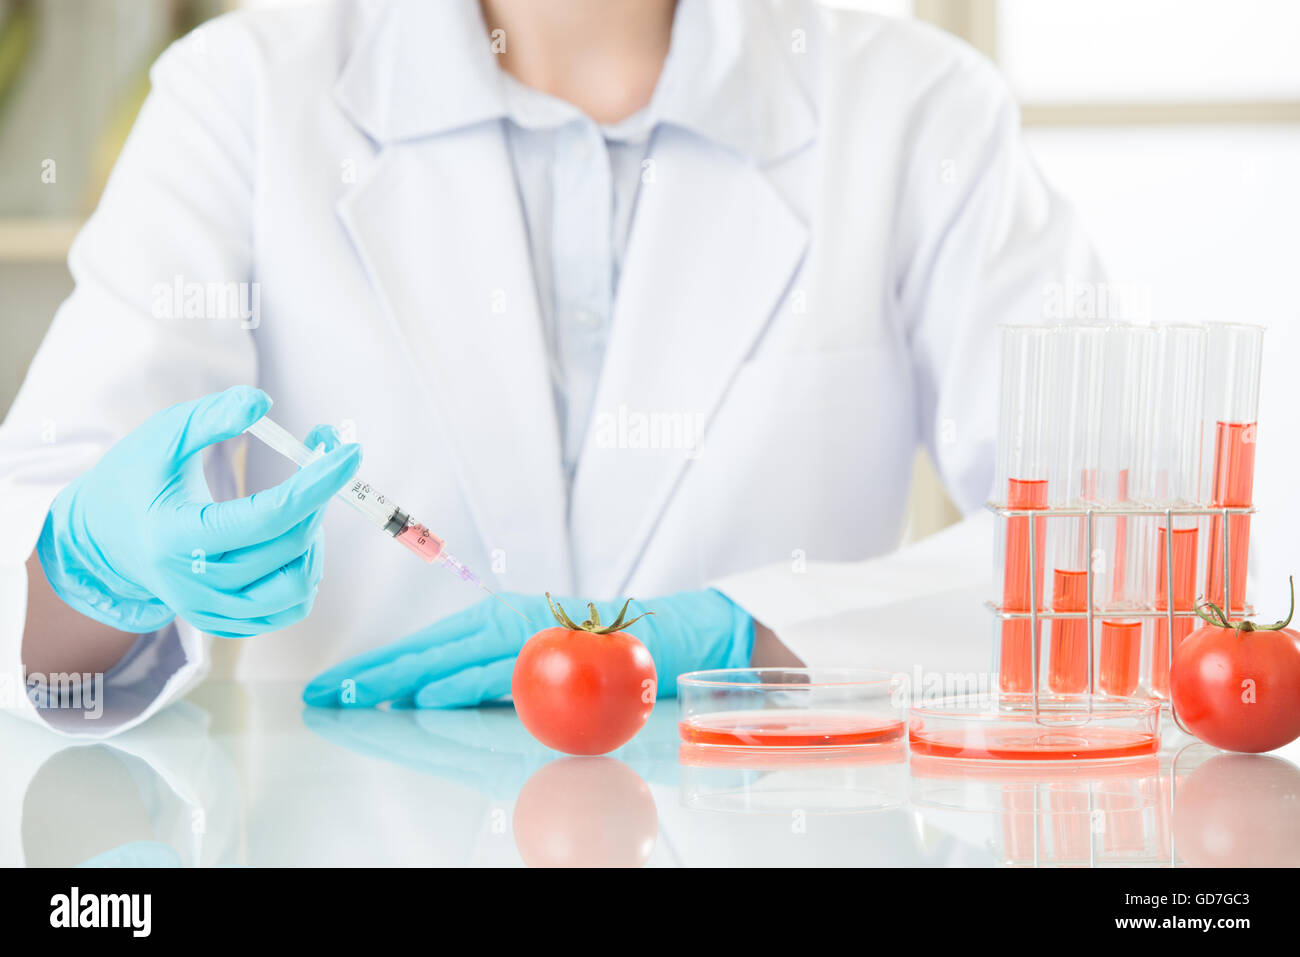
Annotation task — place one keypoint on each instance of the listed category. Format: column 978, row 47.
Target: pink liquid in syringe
column 431, row 548
column 420, row 540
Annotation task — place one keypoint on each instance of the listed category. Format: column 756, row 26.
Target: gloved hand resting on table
column 467, row 658
column 137, row 539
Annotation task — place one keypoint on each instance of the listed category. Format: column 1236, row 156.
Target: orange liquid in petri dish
column 1021, row 741
column 1016, row 662
column 795, row 728
column 1184, row 582
column 1234, row 480
column 1121, row 657
column 1068, row 664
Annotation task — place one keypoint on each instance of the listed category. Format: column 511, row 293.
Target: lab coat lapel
column 712, row 250
column 438, row 228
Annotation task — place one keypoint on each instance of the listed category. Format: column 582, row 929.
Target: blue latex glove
column 136, row 854
column 137, row 539
column 467, row 658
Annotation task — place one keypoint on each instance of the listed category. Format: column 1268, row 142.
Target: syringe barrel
column 372, row 503
column 382, row 511
column 283, row 441
column 358, row 493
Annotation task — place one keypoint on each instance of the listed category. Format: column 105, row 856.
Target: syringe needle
column 506, row 603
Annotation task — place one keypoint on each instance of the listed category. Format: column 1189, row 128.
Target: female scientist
column 621, row 298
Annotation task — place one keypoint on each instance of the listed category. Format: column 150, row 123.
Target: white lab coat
column 818, row 292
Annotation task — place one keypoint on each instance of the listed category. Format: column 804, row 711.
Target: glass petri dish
column 1007, row 728
column 789, row 708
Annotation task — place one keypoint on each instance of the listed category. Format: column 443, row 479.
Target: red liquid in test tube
column 1184, row 583
column 1068, row 671
column 1016, row 663
column 1075, row 477
column 1121, row 657
column 1125, row 479
column 1177, row 437
column 1120, row 660
column 1229, row 433
column 1234, row 480
column 1026, row 437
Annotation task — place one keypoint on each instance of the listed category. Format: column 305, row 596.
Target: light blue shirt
column 578, row 183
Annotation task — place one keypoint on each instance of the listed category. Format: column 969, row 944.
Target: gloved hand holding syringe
column 379, row 509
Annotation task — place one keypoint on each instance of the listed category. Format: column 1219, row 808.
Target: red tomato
column 1238, row 687
column 584, row 689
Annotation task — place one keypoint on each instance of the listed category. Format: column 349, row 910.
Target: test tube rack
column 1095, row 609
column 1113, row 435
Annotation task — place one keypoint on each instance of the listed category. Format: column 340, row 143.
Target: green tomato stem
column 592, row 625
column 1209, row 612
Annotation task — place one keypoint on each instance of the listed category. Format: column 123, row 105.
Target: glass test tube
column 1073, row 484
column 1121, row 582
column 1231, row 409
column 1024, row 455
column 1175, row 428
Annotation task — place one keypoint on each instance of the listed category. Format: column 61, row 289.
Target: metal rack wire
column 1090, row 514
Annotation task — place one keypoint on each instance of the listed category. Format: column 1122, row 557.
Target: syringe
column 381, row 511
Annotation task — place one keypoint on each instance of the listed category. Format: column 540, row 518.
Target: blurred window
column 1150, row 50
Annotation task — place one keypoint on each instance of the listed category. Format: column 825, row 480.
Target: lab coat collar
column 727, row 79
column 424, row 68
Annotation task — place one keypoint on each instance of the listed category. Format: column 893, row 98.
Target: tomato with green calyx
column 584, row 689
column 1236, row 684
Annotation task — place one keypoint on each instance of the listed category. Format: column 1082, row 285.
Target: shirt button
column 585, row 317
column 582, row 149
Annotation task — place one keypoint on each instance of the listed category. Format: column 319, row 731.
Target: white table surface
column 244, row 774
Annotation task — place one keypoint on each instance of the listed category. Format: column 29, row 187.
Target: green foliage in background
column 17, row 40
column 183, row 16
